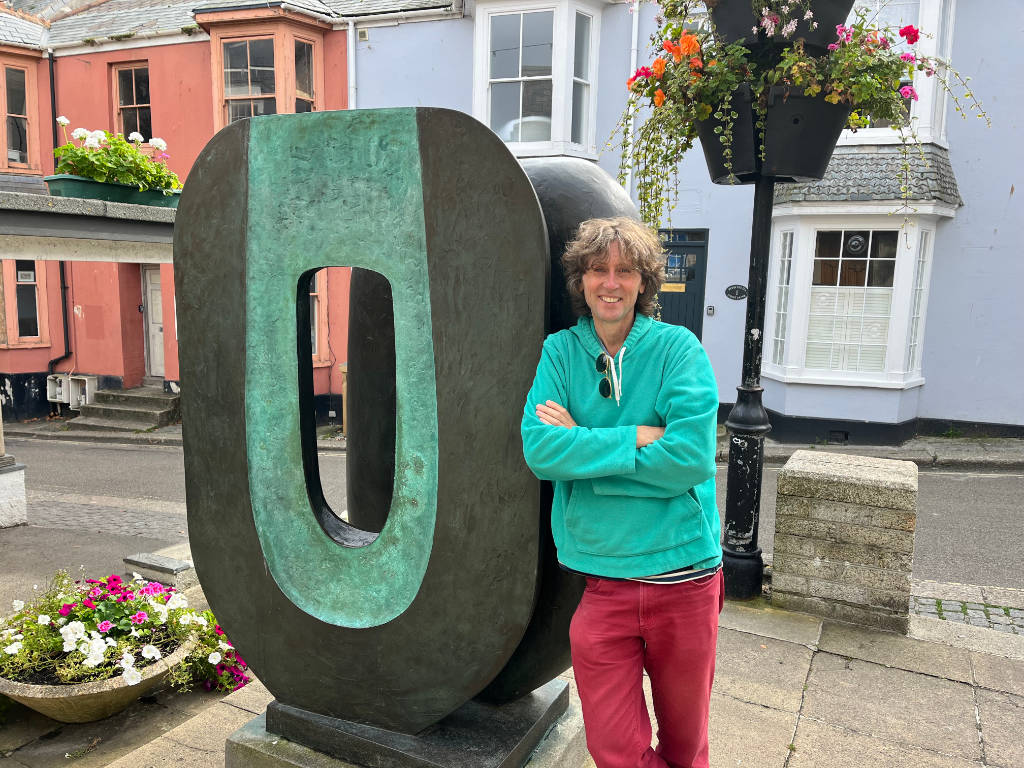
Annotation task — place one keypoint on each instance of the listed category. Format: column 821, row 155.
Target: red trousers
column 622, row 628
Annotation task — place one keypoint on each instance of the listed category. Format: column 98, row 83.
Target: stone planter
column 86, row 702
column 68, row 185
column 799, row 136
column 734, row 20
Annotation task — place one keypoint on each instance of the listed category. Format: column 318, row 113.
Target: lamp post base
column 743, row 573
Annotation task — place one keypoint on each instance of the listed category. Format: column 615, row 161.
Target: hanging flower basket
column 799, row 136
column 734, row 21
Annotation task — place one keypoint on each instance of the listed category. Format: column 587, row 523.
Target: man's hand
column 555, row 415
column 647, row 435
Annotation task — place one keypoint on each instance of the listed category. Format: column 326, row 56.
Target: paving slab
column 820, row 745
column 945, row 590
column 998, row 673
column 894, row 650
column 893, row 704
column 1002, row 717
column 253, row 698
column 766, row 734
column 760, row 618
column 20, row 725
column 1005, row 596
column 761, row 670
column 961, row 635
column 197, row 743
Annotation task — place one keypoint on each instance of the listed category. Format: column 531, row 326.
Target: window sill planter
column 800, row 134
column 734, row 21
column 87, row 702
column 67, row 185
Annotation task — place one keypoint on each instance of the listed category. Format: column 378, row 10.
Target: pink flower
column 833, row 46
column 104, row 626
column 217, row 630
column 89, row 603
column 908, row 57
column 139, row 617
column 129, row 596
column 840, row 30
column 911, row 33
column 95, row 592
column 908, row 92
column 66, row 608
column 929, row 71
column 113, row 579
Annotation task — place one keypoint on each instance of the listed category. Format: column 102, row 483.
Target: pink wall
column 35, row 359
column 179, row 84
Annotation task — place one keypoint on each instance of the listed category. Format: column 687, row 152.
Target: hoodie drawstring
column 616, row 376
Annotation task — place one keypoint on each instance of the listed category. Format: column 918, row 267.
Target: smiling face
column 611, row 286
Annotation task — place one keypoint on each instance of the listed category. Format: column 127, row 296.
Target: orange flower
column 659, row 68
column 696, row 63
column 629, row 83
column 712, row 62
column 659, row 97
column 688, row 44
column 674, row 49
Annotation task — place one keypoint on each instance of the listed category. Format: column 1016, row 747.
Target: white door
column 154, row 315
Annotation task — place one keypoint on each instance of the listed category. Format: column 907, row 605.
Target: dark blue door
column 682, row 293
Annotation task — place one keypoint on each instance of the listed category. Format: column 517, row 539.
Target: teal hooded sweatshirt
column 620, row 511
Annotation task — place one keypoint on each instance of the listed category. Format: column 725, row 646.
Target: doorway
column 682, row 294
column 152, row 304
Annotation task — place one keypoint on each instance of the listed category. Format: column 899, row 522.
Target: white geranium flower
column 79, row 133
column 43, row 619
column 91, row 142
column 158, row 144
column 12, row 649
column 18, row 604
column 150, row 652
column 132, row 676
column 214, row 658
column 98, row 135
column 136, row 138
column 63, row 121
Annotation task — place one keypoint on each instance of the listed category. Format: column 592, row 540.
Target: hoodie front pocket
column 630, row 525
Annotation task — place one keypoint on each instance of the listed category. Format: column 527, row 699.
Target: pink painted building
column 170, row 70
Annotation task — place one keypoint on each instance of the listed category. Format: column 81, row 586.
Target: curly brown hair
column 639, row 246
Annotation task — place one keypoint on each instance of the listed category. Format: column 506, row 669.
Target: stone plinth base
column 13, row 510
column 844, row 538
column 541, row 728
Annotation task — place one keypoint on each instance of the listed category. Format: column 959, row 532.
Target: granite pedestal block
column 541, row 728
column 13, row 509
column 844, row 538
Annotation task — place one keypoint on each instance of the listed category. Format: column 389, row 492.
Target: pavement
column 791, row 690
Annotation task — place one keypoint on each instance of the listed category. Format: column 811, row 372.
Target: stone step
column 171, row 566
column 150, row 415
column 145, row 396
column 97, row 424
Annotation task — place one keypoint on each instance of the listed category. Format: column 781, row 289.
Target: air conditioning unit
column 83, row 391
column 58, row 388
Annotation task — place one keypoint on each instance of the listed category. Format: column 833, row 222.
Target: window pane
column 537, row 37
column 536, row 111
column 826, row 272
column 827, row 246
column 883, row 245
column 238, row 110
column 881, row 272
column 236, row 82
column 16, row 91
column 302, row 105
column 579, row 112
column 855, row 245
column 261, row 81
column 505, row 110
column 17, row 140
column 581, row 57
column 145, row 123
column 264, row 107
column 854, row 272
column 303, row 69
column 261, row 53
column 125, row 87
column 141, row 85
column 129, row 121
column 28, row 325
column 26, row 270
column 312, row 320
column 235, row 55
column 505, row 46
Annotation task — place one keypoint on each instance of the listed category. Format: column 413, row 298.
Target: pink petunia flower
column 908, row 92
column 139, row 617
column 89, row 604
column 217, row 630
column 113, row 579
column 104, row 626
column 66, row 608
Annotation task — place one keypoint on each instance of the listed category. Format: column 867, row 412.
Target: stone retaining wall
column 844, row 538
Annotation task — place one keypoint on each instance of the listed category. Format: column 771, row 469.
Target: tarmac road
column 969, row 528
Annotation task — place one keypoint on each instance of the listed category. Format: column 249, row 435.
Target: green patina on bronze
column 318, row 197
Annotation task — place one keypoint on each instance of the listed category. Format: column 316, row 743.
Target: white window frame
column 805, row 224
column 563, row 39
column 928, row 114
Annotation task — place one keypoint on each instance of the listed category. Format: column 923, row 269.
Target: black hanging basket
column 799, row 135
column 734, row 21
